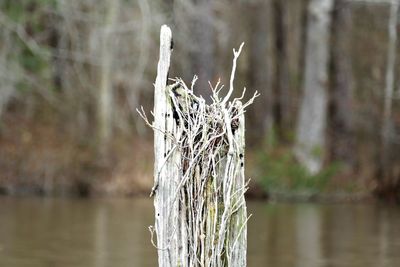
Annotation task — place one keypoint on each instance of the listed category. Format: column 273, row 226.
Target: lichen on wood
column 199, row 188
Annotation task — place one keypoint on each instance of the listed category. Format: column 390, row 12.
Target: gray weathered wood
column 200, row 209
column 162, row 202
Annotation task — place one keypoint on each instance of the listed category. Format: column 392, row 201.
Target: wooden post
column 199, row 184
column 163, row 185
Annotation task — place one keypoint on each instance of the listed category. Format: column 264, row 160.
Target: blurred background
column 326, row 127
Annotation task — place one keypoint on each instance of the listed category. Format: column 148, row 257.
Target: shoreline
column 276, row 197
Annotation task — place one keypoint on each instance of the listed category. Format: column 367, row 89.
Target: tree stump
column 199, row 183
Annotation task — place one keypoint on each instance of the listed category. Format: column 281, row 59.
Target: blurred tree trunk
column 303, row 44
column 57, row 42
column 297, row 24
column 342, row 143
column 310, row 136
column 105, row 97
column 387, row 127
column 203, row 42
column 7, row 80
column 261, row 68
column 282, row 66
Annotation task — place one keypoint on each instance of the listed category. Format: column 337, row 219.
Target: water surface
column 45, row 232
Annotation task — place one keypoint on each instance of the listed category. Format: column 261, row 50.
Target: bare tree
column 310, row 138
column 341, row 128
column 105, row 97
column 20, row 53
column 297, row 22
column 282, row 66
column 387, row 134
column 105, row 83
column 9, row 70
column 261, row 61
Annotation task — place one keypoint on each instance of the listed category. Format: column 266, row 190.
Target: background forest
column 73, row 72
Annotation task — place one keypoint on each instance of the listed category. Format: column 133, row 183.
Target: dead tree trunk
column 200, row 210
column 310, row 136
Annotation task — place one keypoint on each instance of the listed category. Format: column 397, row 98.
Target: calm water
column 103, row 232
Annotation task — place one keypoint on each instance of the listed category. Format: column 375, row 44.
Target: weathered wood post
column 199, row 184
column 164, row 221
